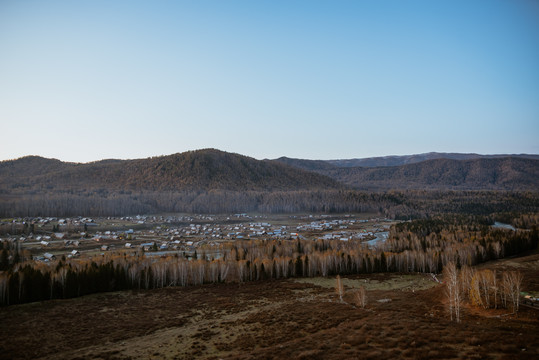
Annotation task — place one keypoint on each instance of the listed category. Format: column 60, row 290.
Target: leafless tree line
column 393, row 204
column 483, row 288
column 250, row 260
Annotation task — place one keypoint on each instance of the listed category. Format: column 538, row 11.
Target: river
column 380, row 238
column 499, row 225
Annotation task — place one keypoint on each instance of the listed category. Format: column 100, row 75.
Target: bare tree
column 361, row 297
column 223, row 268
column 494, row 288
column 339, row 287
column 4, row 284
column 466, row 275
column 452, row 290
column 242, row 264
column 474, row 290
column 512, row 281
column 486, row 283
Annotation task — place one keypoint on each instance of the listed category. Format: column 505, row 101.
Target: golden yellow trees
column 474, row 292
column 482, row 290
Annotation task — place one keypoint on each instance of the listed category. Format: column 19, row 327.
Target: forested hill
column 210, row 169
column 385, row 161
column 30, row 166
column 212, row 181
column 509, row 173
column 207, row 169
column 398, row 160
column 310, row 165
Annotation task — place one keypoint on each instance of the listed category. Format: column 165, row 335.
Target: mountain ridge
column 505, row 173
column 212, row 169
column 392, row 160
column 204, row 169
column 212, row 181
column 396, row 160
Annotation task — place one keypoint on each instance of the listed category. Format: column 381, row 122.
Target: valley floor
column 285, row 319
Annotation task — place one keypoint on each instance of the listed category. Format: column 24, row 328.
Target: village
column 47, row 238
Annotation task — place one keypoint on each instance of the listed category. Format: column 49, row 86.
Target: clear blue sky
column 88, row 80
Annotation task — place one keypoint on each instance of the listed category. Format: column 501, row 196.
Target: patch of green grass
column 408, row 282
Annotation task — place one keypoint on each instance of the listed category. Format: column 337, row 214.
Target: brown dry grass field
column 288, row 319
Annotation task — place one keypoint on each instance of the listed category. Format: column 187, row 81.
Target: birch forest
column 425, row 246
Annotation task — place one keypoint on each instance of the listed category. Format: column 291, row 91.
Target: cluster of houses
column 182, row 233
column 161, row 238
column 40, row 221
column 156, row 219
column 324, row 225
column 43, row 240
column 341, row 227
column 254, row 230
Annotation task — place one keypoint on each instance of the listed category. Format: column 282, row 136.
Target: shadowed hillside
column 396, row 160
column 195, row 170
column 311, row 165
column 508, row 173
column 30, row 166
column 212, row 181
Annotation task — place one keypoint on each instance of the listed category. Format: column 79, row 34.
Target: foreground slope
column 405, row 318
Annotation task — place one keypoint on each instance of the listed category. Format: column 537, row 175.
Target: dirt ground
column 405, row 318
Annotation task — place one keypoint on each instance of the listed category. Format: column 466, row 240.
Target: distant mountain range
column 445, row 174
column 434, row 171
column 210, row 169
column 392, row 160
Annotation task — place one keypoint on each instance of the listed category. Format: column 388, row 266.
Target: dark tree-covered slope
column 398, row 160
column 212, row 181
column 310, row 165
column 510, row 173
column 194, row 170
